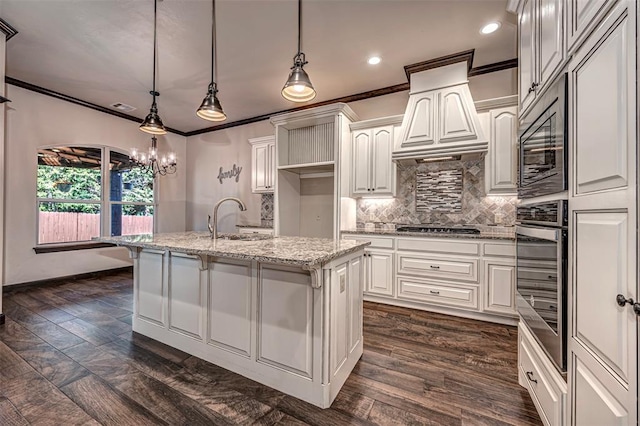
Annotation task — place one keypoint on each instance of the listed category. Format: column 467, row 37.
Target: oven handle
column 544, row 234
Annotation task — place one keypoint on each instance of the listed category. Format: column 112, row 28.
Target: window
column 85, row 192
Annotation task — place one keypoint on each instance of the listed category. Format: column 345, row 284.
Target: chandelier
column 150, row 163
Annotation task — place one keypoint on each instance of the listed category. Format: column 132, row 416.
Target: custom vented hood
column 440, row 119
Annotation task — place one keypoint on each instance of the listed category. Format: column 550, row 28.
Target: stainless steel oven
column 543, row 140
column 541, row 247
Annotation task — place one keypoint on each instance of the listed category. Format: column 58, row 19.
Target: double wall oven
column 541, row 232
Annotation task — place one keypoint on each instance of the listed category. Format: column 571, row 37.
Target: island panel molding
column 285, row 312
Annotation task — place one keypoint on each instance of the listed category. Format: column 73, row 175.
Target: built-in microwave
column 543, row 142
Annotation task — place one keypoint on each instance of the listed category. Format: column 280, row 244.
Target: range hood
column 440, row 119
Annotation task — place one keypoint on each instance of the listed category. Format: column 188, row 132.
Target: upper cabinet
column 263, row 164
column 373, row 174
column 501, row 162
column 541, row 47
column 582, row 17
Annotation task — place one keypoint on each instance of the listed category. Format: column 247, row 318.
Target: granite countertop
column 255, row 226
column 486, row 233
column 296, row 251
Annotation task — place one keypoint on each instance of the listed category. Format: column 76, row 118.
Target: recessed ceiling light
column 374, row 60
column 490, row 27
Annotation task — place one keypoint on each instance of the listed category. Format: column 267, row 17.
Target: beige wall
column 33, row 121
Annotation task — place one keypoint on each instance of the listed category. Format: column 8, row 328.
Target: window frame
column 104, row 202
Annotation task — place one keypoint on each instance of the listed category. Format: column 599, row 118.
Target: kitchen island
column 284, row 311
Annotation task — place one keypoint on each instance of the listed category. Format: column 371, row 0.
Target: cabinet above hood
column 440, row 119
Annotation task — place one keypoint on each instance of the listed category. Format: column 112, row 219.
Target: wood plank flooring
column 68, row 356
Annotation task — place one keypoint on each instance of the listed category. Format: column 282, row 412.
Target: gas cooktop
column 437, row 229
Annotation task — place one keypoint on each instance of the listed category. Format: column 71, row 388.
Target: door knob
column 621, row 301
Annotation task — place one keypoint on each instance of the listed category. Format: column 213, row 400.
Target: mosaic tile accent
column 439, row 191
column 266, row 211
column 477, row 208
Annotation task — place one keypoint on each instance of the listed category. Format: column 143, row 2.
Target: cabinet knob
column 530, row 377
column 622, row 301
column 533, row 87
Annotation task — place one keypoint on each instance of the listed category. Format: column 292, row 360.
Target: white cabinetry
column 546, row 386
column 263, row 164
column 256, row 230
column 470, row 278
column 541, row 46
column 603, row 337
column 582, row 17
column 372, row 172
column 501, row 163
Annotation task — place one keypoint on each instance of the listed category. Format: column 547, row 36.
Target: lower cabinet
column 466, row 277
column 546, row 386
column 379, row 272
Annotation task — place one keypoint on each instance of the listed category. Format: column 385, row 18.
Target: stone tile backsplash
column 474, row 206
column 266, row 210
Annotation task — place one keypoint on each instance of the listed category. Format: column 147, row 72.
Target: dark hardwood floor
column 68, row 356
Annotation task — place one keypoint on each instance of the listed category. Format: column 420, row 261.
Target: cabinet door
column 361, row 173
column 260, row 169
column 271, row 167
column 500, row 281
column 550, row 30
column 419, row 123
column 582, row 15
column 380, row 272
column 501, row 160
column 526, row 54
column 603, row 339
column 383, row 169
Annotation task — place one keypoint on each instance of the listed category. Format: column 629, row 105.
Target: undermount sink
column 244, row 237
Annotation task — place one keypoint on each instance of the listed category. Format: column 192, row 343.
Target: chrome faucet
column 213, row 228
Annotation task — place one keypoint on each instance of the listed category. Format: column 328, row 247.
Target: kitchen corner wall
column 206, row 154
column 476, row 208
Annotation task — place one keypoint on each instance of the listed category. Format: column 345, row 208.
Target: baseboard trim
column 2, row 319
column 59, row 280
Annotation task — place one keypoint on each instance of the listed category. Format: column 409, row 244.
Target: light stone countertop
column 254, row 226
column 295, row 251
column 486, row 233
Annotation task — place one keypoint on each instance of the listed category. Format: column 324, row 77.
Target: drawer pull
column 434, row 267
column 434, row 292
column 530, row 377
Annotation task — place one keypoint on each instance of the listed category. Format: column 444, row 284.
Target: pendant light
column 210, row 109
column 153, row 123
column 298, row 87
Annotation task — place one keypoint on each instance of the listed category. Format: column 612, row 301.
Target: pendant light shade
column 298, row 87
column 211, row 109
column 153, row 123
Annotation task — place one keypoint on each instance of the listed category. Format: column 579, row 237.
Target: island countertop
column 295, row 251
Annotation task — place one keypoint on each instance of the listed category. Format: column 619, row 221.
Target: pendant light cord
column 155, row 24
column 299, row 26
column 213, row 44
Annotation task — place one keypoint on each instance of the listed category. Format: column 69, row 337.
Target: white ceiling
column 100, row 51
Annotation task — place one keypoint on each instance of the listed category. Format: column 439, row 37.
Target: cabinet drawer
column 548, row 398
column 438, row 293
column 376, row 242
column 441, row 245
column 437, row 267
column 494, row 249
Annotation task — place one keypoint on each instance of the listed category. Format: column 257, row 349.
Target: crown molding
column 465, row 56
column 7, row 29
column 61, row 96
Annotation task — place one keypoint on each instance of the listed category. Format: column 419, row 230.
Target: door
column 501, row 160
column 500, row 296
column 550, row 26
column 582, row 15
column 526, row 54
column 603, row 219
column 261, row 168
column 361, row 161
column 383, row 170
column 380, row 272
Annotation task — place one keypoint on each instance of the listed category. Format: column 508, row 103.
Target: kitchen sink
column 245, row 237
